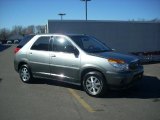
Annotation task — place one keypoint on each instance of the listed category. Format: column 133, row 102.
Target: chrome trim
column 73, row 83
column 44, row 73
column 56, row 75
column 74, row 67
column 31, row 62
column 61, row 75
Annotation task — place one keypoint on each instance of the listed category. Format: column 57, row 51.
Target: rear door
column 38, row 56
column 64, row 63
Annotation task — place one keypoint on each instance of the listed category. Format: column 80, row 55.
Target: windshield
column 90, row 44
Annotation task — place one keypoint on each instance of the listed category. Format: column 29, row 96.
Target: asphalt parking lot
column 47, row 99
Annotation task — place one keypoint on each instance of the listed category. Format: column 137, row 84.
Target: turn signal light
column 116, row 61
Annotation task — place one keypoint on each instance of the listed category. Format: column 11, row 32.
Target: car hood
column 114, row 55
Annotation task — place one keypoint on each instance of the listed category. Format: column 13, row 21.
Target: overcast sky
column 37, row 12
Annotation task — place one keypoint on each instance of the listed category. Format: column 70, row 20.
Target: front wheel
column 25, row 73
column 94, row 84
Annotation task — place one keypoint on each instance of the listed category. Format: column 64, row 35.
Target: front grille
column 134, row 65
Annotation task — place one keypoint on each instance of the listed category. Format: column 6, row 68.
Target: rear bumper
column 123, row 80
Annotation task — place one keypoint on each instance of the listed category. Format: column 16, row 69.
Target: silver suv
column 77, row 59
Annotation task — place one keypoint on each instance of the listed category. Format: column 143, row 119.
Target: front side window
column 41, row 43
column 61, row 44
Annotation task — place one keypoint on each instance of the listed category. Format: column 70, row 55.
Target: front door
column 64, row 63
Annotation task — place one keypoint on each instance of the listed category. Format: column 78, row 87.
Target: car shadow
column 56, row 83
column 4, row 47
column 148, row 87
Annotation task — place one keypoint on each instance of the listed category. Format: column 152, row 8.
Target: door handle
column 53, row 56
column 30, row 53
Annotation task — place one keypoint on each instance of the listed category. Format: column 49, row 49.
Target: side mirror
column 71, row 49
column 76, row 52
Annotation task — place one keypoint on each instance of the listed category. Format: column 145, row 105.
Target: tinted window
column 25, row 40
column 61, row 44
column 90, row 44
column 41, row 43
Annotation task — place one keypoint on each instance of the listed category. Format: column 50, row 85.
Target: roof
column 67, row 34
column 105, row 21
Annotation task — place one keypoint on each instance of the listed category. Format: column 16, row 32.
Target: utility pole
column 61, row 14
column 86, row 7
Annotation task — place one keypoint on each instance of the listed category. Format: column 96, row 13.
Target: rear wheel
column 25, row 73
column 94, row 84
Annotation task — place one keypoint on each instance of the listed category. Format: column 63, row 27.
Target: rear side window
column 41, row 43
column 25, row 40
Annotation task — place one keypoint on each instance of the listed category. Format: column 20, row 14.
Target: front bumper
column 123, row 79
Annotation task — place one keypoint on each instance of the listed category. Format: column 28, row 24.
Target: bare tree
column 30, row 29
column 24, row 31
column 43, row 29
column 4, row 34
column 17, row 30
column 40, row 29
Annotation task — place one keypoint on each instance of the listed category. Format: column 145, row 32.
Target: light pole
column 86, row 6
column 61, row 14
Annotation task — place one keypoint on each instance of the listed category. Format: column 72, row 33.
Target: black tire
column 94, row 84
column 25, row 74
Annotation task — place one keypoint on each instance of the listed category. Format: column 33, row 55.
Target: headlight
column 119, row 64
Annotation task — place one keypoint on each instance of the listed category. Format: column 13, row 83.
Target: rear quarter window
column 25, row 40
column 41, row 43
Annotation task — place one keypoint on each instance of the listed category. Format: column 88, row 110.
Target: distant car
column 77, row 59
column 16, row 41
column 9, row 42
column 3, row 41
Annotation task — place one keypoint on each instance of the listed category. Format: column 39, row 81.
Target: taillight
column 16, row 50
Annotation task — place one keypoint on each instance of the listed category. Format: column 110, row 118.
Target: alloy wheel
column 25, row 75
column 93, row 85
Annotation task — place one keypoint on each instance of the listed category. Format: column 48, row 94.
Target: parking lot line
column 81, row 101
